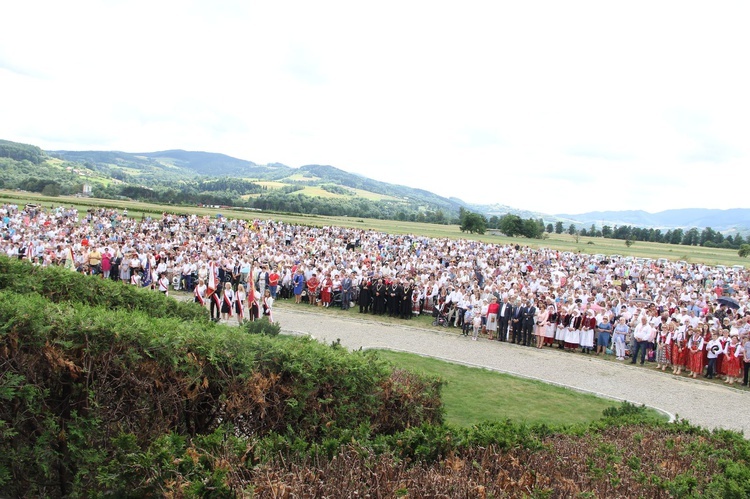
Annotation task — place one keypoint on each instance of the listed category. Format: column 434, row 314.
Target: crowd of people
column 690, row 318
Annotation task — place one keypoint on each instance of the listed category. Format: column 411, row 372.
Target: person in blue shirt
column 604, row 334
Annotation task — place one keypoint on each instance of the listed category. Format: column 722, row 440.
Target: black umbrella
column 729, row 302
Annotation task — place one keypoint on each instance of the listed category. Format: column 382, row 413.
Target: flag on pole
column 212, row 278
column 146, row 281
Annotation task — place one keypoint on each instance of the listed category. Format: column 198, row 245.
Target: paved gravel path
column 703, row 403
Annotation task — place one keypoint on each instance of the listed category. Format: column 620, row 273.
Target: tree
column 629, row 242
column 550, row 228
column 559, row 228
column 676, row 237
column 474, row 222
column 532, row 229
column 744, row 251
column 572, row 229
column 691, row 237
column 51, row 189
column 494, row 222
column 708, row 234
column 606, row 231
column 511, row 225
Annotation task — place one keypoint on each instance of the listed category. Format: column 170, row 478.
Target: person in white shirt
column 163, row 283
column 713, row 349
column 643, row 334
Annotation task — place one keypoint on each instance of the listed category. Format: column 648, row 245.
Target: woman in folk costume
column 326, row 290
column 721, row 368
column 540, row 324
column 663, row 345
column 706, row 332
column 573, row 332
column 680, row 351
column 239, row 303
column 268, row 305
column 551, row 326
column 733, row 360
column 588, row 326
column 227, row 301
column 563, row 321
column 417, row 298
column 695, row 353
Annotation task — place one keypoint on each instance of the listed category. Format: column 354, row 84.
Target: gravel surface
column 703, row 403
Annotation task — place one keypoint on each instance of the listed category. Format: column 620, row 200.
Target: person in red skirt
column 733, row 355
column 326, row 290
column 679, row 352
column 695, row 353
column 663, row 346
column 721, row 367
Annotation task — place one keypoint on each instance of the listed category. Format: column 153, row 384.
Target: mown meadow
column 107, row 390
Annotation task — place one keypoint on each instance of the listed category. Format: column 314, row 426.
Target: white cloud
column 548, row 106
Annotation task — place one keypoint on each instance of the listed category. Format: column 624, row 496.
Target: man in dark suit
column 393, row 294
column 515, row 322
column 527, row 322
column 405, row 299
column 503, row 319
column 346, row 291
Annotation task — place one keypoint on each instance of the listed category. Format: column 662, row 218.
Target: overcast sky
column 556, row 107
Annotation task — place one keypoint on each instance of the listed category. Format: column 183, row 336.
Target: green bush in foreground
column 262, row 326
column 58, row 284
column 73, row 377
column 623, row 455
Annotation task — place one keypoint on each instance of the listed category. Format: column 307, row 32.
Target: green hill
column 281, row 187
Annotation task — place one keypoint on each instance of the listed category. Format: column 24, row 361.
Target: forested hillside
column 177, row 176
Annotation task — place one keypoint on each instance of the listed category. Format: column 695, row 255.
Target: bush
column 72, row 376
column 262, row 326
column 58, row 284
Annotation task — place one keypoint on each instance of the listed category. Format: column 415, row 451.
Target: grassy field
column 561, row 242
column 473, row 395
column 318, row 191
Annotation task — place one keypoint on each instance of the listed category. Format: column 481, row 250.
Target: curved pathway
column 706, row 404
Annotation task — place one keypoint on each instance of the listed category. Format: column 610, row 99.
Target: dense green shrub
column 262, row 326
column 61, row 285
column 73, row 376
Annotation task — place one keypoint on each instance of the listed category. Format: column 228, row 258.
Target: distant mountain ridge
column 721, row 220
column 177, row 166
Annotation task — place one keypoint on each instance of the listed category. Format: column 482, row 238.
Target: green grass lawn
column 472, row 395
